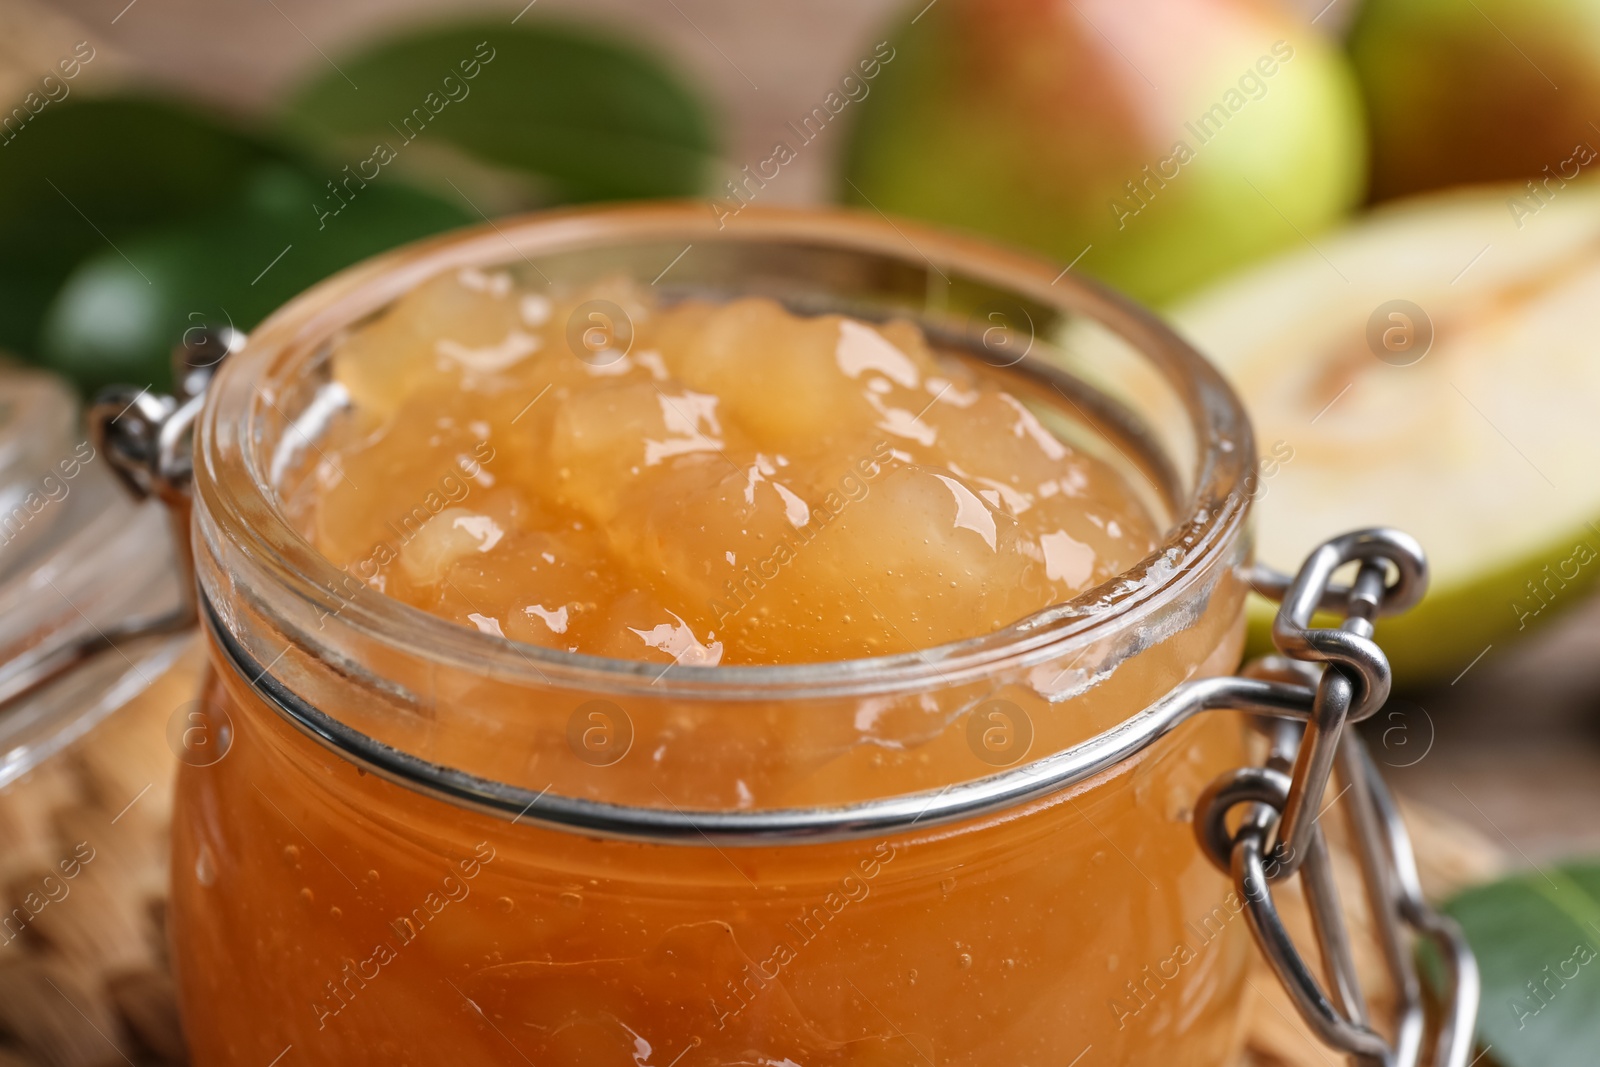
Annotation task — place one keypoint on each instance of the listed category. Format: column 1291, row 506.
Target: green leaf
column 1537, row 939
column 85, row 173
column 120, row 313
column 573, row 112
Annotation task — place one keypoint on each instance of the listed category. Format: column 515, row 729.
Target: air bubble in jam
column 205, row 869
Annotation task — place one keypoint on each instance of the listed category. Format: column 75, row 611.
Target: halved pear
column 1473, row 425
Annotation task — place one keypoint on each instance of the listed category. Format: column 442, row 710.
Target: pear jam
column 739, row 485
column 593, row 471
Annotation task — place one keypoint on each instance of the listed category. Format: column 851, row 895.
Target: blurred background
column 1375, row 216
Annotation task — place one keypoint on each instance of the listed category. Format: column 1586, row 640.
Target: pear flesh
column 1432, row 368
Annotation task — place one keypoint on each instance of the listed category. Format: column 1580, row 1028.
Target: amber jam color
column 621, row 505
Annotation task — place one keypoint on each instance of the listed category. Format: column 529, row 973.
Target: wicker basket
column 84, row 975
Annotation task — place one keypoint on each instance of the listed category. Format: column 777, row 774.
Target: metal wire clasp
column 1277, row 834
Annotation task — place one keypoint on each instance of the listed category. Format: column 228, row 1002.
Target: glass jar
column 86, row 766
column 408, row 854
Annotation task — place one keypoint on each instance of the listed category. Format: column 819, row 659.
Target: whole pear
column 1474, row 92
column 1162, row 141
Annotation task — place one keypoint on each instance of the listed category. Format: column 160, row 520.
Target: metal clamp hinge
column 1277, row 833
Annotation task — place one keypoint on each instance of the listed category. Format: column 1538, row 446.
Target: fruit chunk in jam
column 700, row 483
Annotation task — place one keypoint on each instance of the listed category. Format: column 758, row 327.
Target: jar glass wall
column 331, row 897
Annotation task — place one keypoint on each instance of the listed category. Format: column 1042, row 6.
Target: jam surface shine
column 700, row 483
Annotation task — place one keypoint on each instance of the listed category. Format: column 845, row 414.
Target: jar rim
column 236, row 496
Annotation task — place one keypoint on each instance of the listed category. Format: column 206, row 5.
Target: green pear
column 1152, row 143
column 1486, row 90
column 1430, row 368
